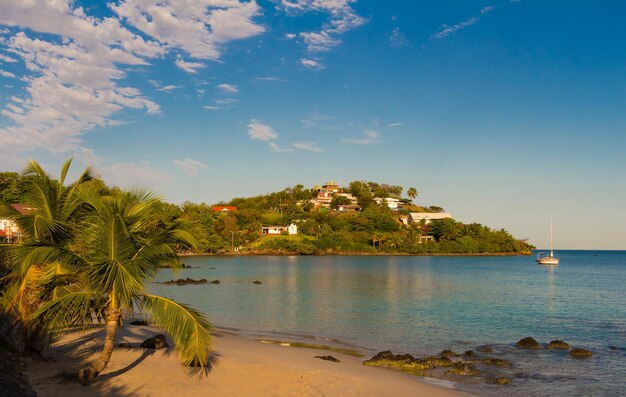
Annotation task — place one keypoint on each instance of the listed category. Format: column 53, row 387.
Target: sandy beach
column 245, row 367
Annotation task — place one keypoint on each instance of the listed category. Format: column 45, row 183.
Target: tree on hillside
column 412, row 193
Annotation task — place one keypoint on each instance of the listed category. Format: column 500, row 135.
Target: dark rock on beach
column 612, row 347
column 257, row 282
column 215, row 282
column 528, row 343
column 156, row 342
column 328, row 358
column 470, row 353
column 558, row 344
column 580, row 353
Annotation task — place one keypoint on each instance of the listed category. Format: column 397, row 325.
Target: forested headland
column 369, row 226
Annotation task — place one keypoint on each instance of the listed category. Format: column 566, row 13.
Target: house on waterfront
column 277, row 230
column 427, row 217
column 9, row 230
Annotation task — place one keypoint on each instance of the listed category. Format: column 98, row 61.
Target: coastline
column 244, row 367
column 283, row 253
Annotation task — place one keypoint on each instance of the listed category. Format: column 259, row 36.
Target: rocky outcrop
column 528, row 343
column 156, row 342
column 215, row 282
column 257, row 282
column 558, row 344
column 502, row 380
column 498, row 362
column 470, row 353
column 185, row 281
column 464, row 369
column 448, row 353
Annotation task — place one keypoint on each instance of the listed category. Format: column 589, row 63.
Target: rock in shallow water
column 503, row 380
column 580, row 353
column 558, row 344
column 465, row 369
column 498, row 362
column 448, row 353
column 257, row 282
column 470, row 353
column 528, row 343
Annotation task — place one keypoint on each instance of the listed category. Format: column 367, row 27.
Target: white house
column 392, row 203
column 9, row 230
column 427, row 217
column 275, row 230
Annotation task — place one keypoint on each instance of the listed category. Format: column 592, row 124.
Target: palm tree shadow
column 146, row 353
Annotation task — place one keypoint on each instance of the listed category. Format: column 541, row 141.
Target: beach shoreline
column 281, row 253
column 244, row 367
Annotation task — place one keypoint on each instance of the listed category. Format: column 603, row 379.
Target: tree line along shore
column 363, row 218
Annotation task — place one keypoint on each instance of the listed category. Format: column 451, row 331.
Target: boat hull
column 548, row 261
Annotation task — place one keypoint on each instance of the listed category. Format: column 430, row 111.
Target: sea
column 422, row 305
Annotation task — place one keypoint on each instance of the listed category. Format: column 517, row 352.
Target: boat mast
column 551, row 251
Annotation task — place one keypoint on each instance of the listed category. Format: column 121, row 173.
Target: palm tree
column 40, row 267
column 120, row 254
column 412, row 193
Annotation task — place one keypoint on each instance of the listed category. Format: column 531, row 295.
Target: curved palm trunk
column 112, row 321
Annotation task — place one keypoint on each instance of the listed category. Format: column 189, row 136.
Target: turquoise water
column 422, row 305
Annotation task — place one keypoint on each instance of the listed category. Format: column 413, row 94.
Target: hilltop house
column 394, row 204
column 275, row 230
column 427, row 217
column 9, row 230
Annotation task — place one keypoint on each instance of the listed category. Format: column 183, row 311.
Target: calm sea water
column 422, row 305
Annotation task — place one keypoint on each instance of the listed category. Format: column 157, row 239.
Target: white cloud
column 486, row 10
column 211, row 107
column 227, row 101
column 83, row 59
column 397, row 38
column 189, row 67
column 189, row 166
column 6, row 74
column 291, row 36
column 228, row 88
column 169, row 88
column 260, row 131
column 342, row 18
column 369, row 137
column 199, row 27
column 311, row 64
column 314, row 119
column 308, row 146
column 395, row 124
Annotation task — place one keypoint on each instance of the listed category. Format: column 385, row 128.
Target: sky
column 504, row 112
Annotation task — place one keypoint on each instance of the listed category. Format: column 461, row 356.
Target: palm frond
column 190, row 329
column 73, row 310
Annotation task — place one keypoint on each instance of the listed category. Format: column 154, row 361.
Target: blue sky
column 503, row 112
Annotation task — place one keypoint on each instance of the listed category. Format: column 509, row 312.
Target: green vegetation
column 86, row 255
column 375, row 229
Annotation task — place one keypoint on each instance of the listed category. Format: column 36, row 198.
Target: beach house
column 427, row 217
column 9, row 230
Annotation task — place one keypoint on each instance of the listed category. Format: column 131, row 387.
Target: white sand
column 246, row 368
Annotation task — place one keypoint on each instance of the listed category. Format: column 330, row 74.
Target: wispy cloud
column 369, row 137
column 311, row 64
column 314, row 119
column 448, row 30
column 228, row 88
column 395, row 124
column 189, row 166
column 308, row 146
column 6, row 74
column 271, row 79
column 189, row 67
column 130, row 174
column 277, row 148
column 397, row 38
column 7, row 59
column 169, row 88
column 260, row 131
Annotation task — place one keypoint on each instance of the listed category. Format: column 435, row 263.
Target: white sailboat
column 550, row 259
